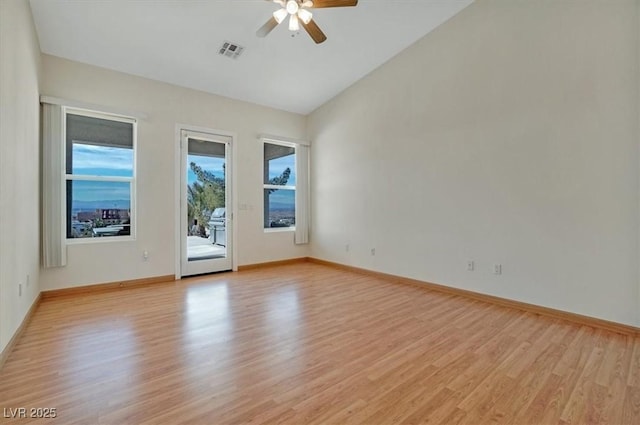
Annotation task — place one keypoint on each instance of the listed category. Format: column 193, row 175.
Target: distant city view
column 100, row 222
column 282, row 208
column 100, row 207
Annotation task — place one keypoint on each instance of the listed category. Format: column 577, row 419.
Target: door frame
column 178, row 193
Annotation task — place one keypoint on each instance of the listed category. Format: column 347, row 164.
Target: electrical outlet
column 471, row 265
column 145, row 255
column 497, row 269
column 373, row 251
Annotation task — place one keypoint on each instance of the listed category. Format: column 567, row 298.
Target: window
column 99, row 174
column 279, row 185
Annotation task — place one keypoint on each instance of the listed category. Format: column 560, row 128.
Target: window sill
column 279, row 229
column 103, row 239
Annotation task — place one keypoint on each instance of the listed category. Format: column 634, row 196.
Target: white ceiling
column 177, row 41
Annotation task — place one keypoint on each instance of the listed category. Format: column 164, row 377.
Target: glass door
column 206, row 225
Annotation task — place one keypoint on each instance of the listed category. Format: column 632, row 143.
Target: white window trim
column 278, row 187
column 279, row 229
column 131, row 180
column 285, row 141
column 291, row 144
column 302, row 228
column 100, row 109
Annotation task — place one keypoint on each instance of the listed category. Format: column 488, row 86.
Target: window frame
column 278, row 187
column 66, row 110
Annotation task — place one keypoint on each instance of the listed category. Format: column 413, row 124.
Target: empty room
column 320, row 212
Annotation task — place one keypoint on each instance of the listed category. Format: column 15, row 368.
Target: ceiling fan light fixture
column 305, row 16
column 280, row 14
column 300, row 16
column 292, row 7
column 294, row 24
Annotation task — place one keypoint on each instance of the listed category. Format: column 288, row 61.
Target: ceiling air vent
column 230, row 50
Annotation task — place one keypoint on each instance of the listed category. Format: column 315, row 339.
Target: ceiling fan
column 299, row 14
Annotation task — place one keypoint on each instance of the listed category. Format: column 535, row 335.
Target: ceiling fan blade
column 317, row 4
column 314, row 31
column 267, row 27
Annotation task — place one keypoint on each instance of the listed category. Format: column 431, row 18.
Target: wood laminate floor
column 310, row 344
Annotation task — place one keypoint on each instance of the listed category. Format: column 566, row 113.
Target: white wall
column 166, row 106
column 19, row 165
column 508, row 135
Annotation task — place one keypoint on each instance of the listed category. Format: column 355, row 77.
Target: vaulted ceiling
column 177, row 41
